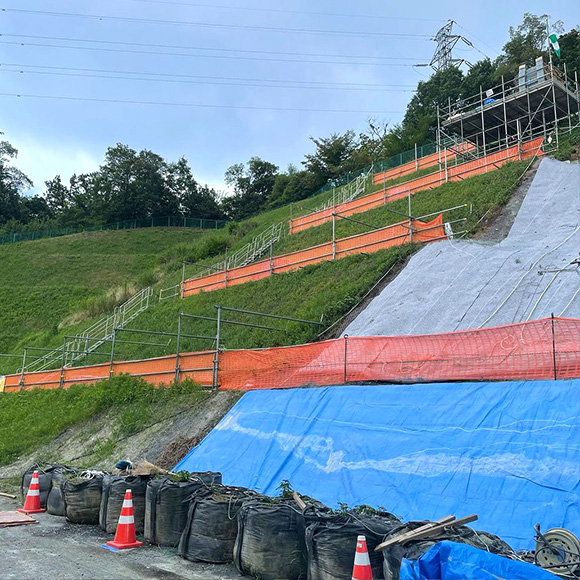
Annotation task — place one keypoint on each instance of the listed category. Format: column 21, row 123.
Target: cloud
column 42, row 160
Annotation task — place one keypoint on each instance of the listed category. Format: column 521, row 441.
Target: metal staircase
column 348, row 192
column 93, row 337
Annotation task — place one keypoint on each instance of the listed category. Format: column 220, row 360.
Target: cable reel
column 557, row 550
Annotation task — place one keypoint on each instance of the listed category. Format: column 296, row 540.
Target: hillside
column 86, row 275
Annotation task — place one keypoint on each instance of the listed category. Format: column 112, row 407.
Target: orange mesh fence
column 423, row 162
column 454, row 173
column 393, row 235
column 540, row 349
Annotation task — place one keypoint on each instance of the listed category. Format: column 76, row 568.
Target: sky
column 220, row 81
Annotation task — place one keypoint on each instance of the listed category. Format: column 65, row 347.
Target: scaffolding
column 540, row 101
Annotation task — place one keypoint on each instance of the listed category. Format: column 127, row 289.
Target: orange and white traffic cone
column 362, row 569
column 125, row 535
column 32, row 501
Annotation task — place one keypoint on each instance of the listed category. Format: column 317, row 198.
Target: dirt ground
column 53, row 548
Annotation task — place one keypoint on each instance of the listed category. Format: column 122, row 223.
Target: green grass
column 32, row 418
column 69, row 279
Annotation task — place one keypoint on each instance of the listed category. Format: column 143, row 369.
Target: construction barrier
column 548, row 348
column 446, row 155
column 388, row 194
column 393, row 235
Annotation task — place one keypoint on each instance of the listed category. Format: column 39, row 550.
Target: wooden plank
column 428, row 531
column 299, row 501
column 402, row 537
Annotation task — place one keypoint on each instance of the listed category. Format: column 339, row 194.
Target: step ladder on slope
column 255, row 249
column 347, row 193
column 92, row 338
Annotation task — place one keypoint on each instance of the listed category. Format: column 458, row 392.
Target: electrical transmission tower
column 446, row 41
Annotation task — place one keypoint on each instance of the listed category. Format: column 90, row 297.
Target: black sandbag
column 270, row 544
column 331, row 543
column 211, row 529
column 82, row 499
column 206, row 477
column 45, row 472
column 55, row 501
column 114, row 488
column 166, row 507
column 393, row 555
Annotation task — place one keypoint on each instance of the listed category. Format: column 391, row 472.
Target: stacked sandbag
column 331, row 543
column 55, row 501
column 270, row 544
column 113, row 494
column 413, row 550
column 211, row 529
column 167, row 504
column 82, row 498
column 45, row 472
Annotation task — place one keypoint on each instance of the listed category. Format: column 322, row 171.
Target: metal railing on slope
column 247, row 254
column 93, row 337
column 348, row 192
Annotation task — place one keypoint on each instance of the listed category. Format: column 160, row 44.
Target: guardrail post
column 21, row 381
column 178, row 345
column 217, row 348
column 61, row 382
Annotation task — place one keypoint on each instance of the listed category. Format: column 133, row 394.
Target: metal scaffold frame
column 538, row 102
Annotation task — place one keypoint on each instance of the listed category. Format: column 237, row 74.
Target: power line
column 230, row 57
column 184, row 76
column 181, row 47
column 213, row 25
column 195, row 105
column 280, row 11
column 183, row 81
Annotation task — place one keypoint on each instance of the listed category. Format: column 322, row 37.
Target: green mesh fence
column 157, row 222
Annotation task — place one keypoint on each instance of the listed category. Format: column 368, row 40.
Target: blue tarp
column 509, row 452
column 450, row 561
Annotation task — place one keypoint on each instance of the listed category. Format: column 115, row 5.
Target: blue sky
column 66, row 136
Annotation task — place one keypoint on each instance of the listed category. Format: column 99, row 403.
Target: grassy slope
column 44, row 281
column 324, row 291
column 80, row 267
column 30, row 419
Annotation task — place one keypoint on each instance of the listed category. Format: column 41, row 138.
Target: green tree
column 253, row 184
column 12, row 183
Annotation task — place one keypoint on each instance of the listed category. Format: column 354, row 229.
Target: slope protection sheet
column 456, row 285
column 509, row 452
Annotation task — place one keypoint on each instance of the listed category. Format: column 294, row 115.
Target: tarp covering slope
column 448, row 561
column 509, row 451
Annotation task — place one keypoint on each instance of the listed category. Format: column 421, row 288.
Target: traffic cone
column 32, row 501
column 362, row 564
column 125, row 535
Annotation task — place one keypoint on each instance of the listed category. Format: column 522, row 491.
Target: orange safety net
column 548, row 348
column 540, row 349
column 435, row 179
column 423, row 162
column 393, row 235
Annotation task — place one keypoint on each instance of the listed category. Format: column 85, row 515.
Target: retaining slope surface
column 420, row 451
column 457, row 285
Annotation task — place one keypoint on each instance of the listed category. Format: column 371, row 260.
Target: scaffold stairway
column 94, row 336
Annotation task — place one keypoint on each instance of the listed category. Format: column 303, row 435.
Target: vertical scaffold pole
column 226, row 269
column 438, row 138
column 21, row 381
column 505, row 123
column 567, row 98
column 555, row 104
column 483, row 127
column 333, row 234
column 554, row 348
column 63, row 363
column 112, row 359
column 216, row 360
column 178, row 346
column 416, row 159
column 345, row 358
column 410, row 219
